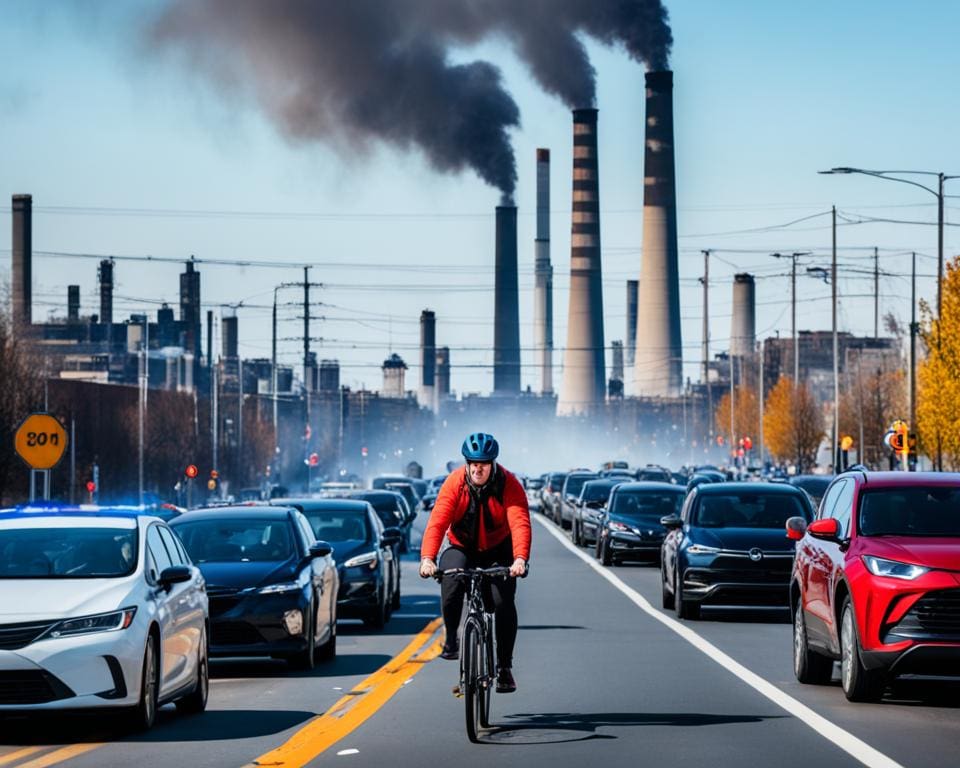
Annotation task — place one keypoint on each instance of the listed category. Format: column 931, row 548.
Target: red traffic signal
column 364, row 451
column 314, row 459
column 214, row 474
column 747, row 444
column 91, row 486
column 191, row 471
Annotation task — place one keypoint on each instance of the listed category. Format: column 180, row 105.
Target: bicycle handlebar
column 497, row 571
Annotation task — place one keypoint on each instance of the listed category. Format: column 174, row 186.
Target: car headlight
column 282, row 587
column 615, row 526
column 895, row 570
column 99, row 622
column 700, row 549
column 369, row 559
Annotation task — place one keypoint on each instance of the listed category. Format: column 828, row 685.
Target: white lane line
column 849, row 743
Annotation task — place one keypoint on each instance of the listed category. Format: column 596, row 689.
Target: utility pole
column 876, row 293
column 733, row 434
column 836, row 376
column 273, row 367
column 760, row 398
column 913, row 343
column 706, row 341
column 306, row 326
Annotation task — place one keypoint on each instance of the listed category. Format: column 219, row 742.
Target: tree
column 874, row 394
column 938, row 375
column 792, row 424
column 746, row 415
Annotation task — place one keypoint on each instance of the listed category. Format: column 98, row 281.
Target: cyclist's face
column 479, row 471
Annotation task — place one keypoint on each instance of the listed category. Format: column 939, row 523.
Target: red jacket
column 512, row 517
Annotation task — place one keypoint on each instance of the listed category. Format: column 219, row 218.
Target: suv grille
column 223, row 599
column 14, row 636
column 935, row 616
column 234, row 633
column 31, row 687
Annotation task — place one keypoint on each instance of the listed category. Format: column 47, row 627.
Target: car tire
column 683, row 608
column 196, row 701
column 575, row 533
column 858, row 682
column 328, row 651
column 810, row 667
column 597, row 548
column 395, row 600
column 305, row 659
column 377, row 616
column 666, row 598
column 143, row 716
column 606, row 558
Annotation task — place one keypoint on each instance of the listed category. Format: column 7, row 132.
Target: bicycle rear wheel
column 473, row 688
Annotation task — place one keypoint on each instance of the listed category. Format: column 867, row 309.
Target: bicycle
column 478, row 664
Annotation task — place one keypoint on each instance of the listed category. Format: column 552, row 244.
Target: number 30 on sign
column 40, row 441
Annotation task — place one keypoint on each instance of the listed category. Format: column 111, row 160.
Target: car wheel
column 666, row 598
column 596, row 550
column 859, row 683
column 144, row 714
column 605, row 557
column 395, row 602
column 684, row 608
column 196, row 701
column 808, row 665
column 378, row 616
column 328, row 651
column 575, row 533
column 305, row 659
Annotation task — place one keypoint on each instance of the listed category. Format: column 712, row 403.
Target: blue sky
column 110, row 140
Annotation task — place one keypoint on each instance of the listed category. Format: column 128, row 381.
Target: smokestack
column 105, row 275
column 616, row 370
column 428, row 359
column 229, row 336
column 584, row 377
column 393, row 376
column 543, row 289
column 743, row 330
column 190, row 308
column 73, row 303
column 443, row 374
column 506, row 322
column 631, row 346
column 22, row 266
column 329, row 376
column 209, row 332
column 658, row 363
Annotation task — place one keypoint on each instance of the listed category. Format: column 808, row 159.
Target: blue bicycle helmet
column 480, row 446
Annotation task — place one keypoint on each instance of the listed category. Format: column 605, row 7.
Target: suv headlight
column 369, row 559
column 85, row 625
column 892, row 568
column 277, row 589
column 618, row 526
column 700, row 549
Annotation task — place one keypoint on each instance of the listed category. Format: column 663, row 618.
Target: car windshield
column 388, row 513
column 596, row 491
column 237, row 540
column 340, row 525
column 919, row 511
column 653, row 475
column 67, row 553
column 747, row 510
column 575, row 484
column 646, row 507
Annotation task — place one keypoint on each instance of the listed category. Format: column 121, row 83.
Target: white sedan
column 99, row 608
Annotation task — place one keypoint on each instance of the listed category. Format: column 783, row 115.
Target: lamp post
column 937, row 193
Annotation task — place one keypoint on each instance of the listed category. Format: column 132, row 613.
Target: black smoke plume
column 362, row 71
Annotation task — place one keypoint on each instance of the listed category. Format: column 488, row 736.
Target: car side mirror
column 391, row 536
column 671, row 522
column 796, row 527
column 175, row 574
column 827, row 529
column 320, row 549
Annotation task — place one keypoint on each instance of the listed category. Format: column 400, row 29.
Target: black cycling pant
column 498, row 592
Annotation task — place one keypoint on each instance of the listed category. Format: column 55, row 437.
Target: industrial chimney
column 506, row 321
column 22, row 266
column 105, row 275
column 743, row 330
column 394, row 371
column 443, row 374
column 190, row 309
column 658, row 362
column 543, row 273
column 584, row 375
column 428, row 360
column 73, row 303
column 631, row 347
column 229, row 336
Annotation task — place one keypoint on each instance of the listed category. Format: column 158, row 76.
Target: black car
column 393, row 511
column 815, row 485
column 727, row 546
column 272, row 586
column 630, row 527
column 654, row 474
column 589, row 508
column 550, row 495
column 367, row 561
column 572, row 486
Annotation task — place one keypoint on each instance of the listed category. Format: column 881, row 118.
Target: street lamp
column 937, row 193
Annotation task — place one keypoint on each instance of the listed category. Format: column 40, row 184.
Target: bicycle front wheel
column 487, row 673
column 473, row 693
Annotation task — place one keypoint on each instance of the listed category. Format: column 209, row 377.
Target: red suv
column 876, row 581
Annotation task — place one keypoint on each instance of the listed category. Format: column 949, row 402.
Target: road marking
column 357, row 706
column 849, row 743
column 59, row 755
column 12, row 757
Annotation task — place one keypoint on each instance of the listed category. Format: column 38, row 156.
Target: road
column 605, row 677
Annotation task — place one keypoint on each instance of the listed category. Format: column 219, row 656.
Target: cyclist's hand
column 519, row 567
column 427, row 568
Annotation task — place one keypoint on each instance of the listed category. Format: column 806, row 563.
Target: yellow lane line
column 12, row 757
column 59, row 755
column 359, row 705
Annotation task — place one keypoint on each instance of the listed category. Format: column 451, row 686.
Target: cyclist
column 482, row 509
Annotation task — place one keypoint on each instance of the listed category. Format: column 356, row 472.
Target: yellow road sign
column 40, row 441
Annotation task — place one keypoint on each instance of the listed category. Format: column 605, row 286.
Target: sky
column 129, row 152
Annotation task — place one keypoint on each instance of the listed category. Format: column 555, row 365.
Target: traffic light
column 91, row 486
column 846, row 443
column 214, row 475
column 191, row 471
column 747, row 444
